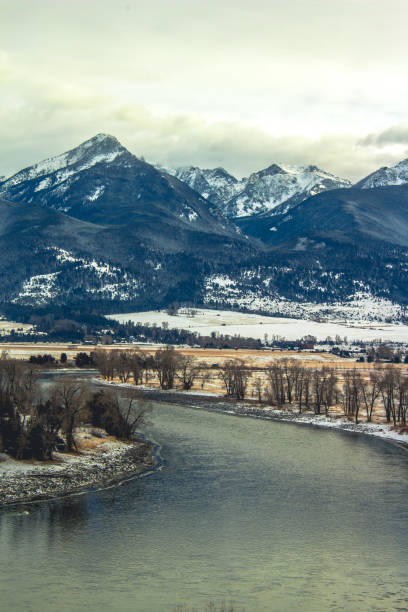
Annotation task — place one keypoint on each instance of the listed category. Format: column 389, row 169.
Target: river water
column 268, row 516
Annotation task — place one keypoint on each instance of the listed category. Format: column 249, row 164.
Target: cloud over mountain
column 295, row 82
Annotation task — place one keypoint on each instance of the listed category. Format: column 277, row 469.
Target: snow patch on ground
column 384, row 431
column 112, row 462
column 250, row 325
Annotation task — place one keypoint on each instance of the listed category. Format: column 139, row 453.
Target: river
column 269, row 516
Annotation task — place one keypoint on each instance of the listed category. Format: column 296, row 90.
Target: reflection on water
column 270, row 516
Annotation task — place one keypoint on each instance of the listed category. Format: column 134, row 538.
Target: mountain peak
column 269, row 171
column 385, row 176
column 221, row 170
column 99, row 143
column 102, row 139
column 100, row 148
column 402, row 164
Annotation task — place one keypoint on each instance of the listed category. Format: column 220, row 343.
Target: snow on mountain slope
column 396, row 175
column 275, row 185
column 216, row 184
column 262, row 191
column 360, row 306
column 102, row 182
column 100, row 148
column 95, row 278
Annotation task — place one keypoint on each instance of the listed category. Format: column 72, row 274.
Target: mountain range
column 262, row 191
column 98, row 228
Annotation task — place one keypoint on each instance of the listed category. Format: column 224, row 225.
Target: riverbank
column 378, row 430
column 100, row 462
column 252, row 408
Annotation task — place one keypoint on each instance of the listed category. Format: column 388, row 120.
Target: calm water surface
column 270, row 516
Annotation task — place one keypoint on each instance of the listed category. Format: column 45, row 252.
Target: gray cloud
column 233, row 83
column 175, row 139
column 393, row 135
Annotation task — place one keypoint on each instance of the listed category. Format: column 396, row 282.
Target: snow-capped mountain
column 215, row 185
column 149, row 233
column 100, row 181
column 98, row 228
column 396, row 175
column 265, row 190
column 59, row 169
column 262, row 191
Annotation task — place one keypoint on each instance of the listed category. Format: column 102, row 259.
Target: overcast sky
column 237, row 83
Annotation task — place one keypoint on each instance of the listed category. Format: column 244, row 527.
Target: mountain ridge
column 386, row 176
column 262, row 191
column 102, row 182
column 380, row 215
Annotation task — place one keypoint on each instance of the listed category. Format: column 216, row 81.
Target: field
column 7, row 326
column 23, row 350
column 255, row 326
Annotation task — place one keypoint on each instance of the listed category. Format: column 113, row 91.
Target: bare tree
column 276, row 385
column 119, row 413
column 289, row 372
column 137, row 366
column 123, row 364
column 235, row 375
column 69, row 395
column 302, row 386
column 166, row 362
column 258, row 384
column 47, row 420
column 403, row 399
column 134, row 410
column 11, row 427
column 187, row 371
column 370, row 391
column 105, row 362
column 205, row 376
column 329, row 380
column 149, row 367
column 226, row 374
column 352, row 393
column 387, row 388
